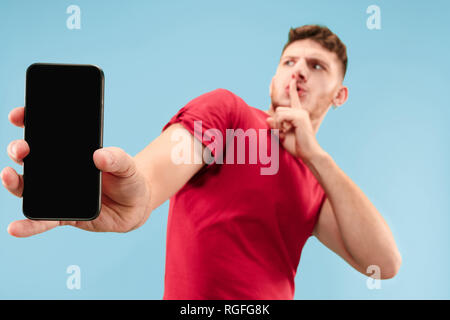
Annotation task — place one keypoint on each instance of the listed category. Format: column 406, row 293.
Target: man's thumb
column 115, row 161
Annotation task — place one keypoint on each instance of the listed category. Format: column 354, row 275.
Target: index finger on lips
column 293, row 94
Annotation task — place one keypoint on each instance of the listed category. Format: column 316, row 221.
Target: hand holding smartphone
column 69, row 178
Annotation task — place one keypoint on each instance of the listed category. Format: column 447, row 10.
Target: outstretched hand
column 125, row 190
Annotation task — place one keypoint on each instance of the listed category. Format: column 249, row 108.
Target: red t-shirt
column 234, row 233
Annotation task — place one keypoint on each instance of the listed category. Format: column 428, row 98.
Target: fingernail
column 14, row 149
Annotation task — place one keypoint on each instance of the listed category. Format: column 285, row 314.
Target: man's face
column 317, row 72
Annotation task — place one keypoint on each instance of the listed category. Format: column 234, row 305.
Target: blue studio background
column 391, row 137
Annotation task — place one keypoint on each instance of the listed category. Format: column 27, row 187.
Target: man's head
column 318, row 60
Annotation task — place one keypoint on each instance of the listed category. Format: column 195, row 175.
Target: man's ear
column 341, row 96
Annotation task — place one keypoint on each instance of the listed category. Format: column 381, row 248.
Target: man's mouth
column 300, row 91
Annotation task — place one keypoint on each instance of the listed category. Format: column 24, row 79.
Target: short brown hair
column 323, row 36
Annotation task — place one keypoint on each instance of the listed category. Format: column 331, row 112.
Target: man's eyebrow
column 320, row 60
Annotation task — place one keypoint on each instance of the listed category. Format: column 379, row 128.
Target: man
column 234, row 233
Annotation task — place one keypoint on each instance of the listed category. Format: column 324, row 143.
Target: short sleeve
column 208, row 116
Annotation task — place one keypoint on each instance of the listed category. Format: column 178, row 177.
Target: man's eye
column 286, row 62
column 316, row 64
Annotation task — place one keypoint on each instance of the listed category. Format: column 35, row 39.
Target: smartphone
column 63, row 127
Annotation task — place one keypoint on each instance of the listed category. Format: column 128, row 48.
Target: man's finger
column 115, row 161
column 27, row 228
column 12, row 181
column 293, row 94
column 284, row 120
column 271, row 122
column 286, row 126
column 283, row 125
column 17, row 150
column 16, row 116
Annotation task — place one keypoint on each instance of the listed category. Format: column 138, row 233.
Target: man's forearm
column 365, row 233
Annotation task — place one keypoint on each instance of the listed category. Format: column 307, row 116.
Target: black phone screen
column 63, row 127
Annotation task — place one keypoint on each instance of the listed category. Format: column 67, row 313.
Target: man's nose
column 300, row 71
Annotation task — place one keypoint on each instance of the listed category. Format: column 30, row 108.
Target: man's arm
column 328, row 233
column 349, row 224
column 165, row 177
column 358, row 230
